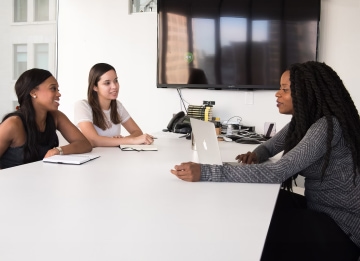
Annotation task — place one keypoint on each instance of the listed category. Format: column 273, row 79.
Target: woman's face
column 46, row 96
column 284, row 100
column 108, row 86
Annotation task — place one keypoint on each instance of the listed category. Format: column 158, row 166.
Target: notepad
column 138, row 147
column 75, row 159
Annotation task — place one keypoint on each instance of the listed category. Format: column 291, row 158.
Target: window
column 143, row 6
column 20, row 10
column 41, row 10
column 41, row 56
column 29, row 27
column 20, row 59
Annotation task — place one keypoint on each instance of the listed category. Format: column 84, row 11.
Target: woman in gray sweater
column 321, row 143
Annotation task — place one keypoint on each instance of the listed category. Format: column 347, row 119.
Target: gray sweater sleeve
column 271, row 147
column 309, row 150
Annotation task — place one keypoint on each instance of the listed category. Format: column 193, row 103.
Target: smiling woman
column 101, row 116
column 29, row 134
column 46, row 95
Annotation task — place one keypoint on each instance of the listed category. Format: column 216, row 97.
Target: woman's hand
column 52, row 152
column 248, row 158
column 188, row 171
column 144, row 139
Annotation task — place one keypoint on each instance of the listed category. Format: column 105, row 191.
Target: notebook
column 150, row 147
column 74, row 159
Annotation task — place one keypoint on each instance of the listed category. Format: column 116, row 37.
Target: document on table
column 75, row 159
column 138, row 147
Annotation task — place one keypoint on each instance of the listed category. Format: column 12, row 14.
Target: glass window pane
column 20, row 59
column 30, row 45
column 20, row 10
column 41, row 10
column 41, row 56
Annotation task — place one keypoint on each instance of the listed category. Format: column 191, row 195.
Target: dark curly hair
column 317, row 91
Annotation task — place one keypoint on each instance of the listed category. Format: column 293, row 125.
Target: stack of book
column 201, row 112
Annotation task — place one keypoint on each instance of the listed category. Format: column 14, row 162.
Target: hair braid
column 347, row 116
column 317, row 91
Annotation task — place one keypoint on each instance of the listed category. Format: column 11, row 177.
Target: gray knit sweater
column 336, row 195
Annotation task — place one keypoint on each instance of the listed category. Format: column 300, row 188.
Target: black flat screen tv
column 233, row 44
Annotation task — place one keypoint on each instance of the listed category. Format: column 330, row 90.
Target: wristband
column 60, row 150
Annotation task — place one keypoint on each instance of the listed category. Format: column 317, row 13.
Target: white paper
column 76, row 159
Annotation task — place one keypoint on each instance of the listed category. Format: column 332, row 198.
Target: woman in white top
column 101, row 116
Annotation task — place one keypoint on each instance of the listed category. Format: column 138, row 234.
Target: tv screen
column 233, row 44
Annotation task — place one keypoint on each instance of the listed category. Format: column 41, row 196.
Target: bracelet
column 60, row 150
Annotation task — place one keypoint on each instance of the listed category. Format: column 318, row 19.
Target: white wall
column 104, row 31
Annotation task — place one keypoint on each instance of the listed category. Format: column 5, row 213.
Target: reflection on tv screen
column 233, row 44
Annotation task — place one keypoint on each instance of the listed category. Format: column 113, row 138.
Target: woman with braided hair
column 320, row 143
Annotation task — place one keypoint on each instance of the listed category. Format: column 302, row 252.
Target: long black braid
column 317, row 91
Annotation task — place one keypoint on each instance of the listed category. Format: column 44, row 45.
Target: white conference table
column 126, row 205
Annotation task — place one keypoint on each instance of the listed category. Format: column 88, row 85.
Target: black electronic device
column 183, row 125
column 174, row 119
column 179, row 123
column 233, row 44
column 268, row 133
column 247, row 140
column 233, row 137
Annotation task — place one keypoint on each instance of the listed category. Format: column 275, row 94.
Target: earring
column 34, row 96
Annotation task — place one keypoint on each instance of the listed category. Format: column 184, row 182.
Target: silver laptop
column 207, row 144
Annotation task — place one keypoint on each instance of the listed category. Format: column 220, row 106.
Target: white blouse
column 83, row 112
